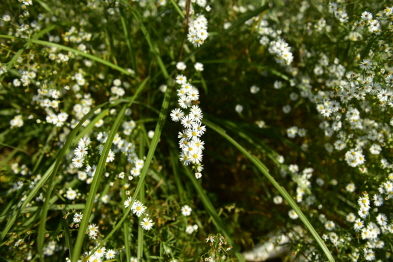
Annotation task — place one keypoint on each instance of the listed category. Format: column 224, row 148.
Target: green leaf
column 97, row 176
column 153, row 146
column 212, row 211
column 282, row 191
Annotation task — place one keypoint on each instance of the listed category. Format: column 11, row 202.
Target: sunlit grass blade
column 94, row 185
column 177, row 8
column 63, row 152
column 282, row 191
column 152, row 148
column 98, row 173
column 80, row 53
column 44, row 31
column 143, row 141
column 71, row 139
column 46, row 7
column 258, row 143
column 141, row 231
column 126, row 228
column 13, row 147
column 75, row 51
column 212, row 211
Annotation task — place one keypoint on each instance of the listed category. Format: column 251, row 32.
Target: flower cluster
column 190, row 143
column 17, row 121
column 219, row 248
column 80, row 152
column 139, row 209
column 338, row 11
column 197, row 30
column 101, row 254
column 277, row 47
column 92, row 231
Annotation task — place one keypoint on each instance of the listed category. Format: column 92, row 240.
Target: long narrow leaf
column 153, row 146
column 145, row 32
column 75, row 51
column 282, row 191
column 97, row 176
column 212, row 211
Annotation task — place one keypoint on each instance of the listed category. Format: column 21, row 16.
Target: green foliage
column 179, row 130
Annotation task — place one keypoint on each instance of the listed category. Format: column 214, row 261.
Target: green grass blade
column 175, row 168
column 126, row 229
column 46, row 7
column 80, row 53
column 128, row 41
column 140, row 229
column 16, row 148
column 75, row 51
column 153, row 146
column 94, row 185
column 67, row 234
column 143, row 140
column 57, row 162
column 177, row 9
column 212, row 211
column 13, row 60
column 97, row 176
column 145, row 32
column 44, row 31
column 282, row 191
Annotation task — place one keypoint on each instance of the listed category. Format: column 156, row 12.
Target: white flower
column 239, row 108
column 350, row 187
column 127, row 202
column 93, row 231
column 351, row 217
column 189, row 229
column 110, row 254
column 147, row 223
column 329, row 225
column 71, row 194
column 186, row 210
column 181, row 79
column 105, row 199
column 163, row 88
column 382, row 219
column 111, row 156
column 254, row 89
column 292, row 131
column 292, row 214
column 6, row 18
column 138, row 208
column 198, row 66
column 277, row 200
column 181, row 66
column 16, row 121
column 77, row 217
